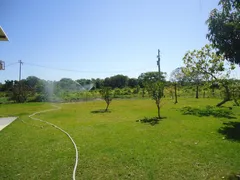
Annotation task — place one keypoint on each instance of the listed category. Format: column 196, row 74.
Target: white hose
column 75, row 146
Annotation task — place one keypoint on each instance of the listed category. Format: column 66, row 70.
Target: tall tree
column 235, row 90
column 211, row 66
column 20, row 91
column 177, row 77
column 107, row 82
column 38, row 85
column 117, row 81
column 67, row 84
column 98, row 83
column 195, row 78
column 224, row 29
column 132, row 82
column 32, row 81
column 8, row 85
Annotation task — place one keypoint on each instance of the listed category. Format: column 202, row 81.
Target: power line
column 11, row 64
column 78, row 71
column 59, row 69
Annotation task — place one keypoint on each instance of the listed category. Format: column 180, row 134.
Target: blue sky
column 99, row 38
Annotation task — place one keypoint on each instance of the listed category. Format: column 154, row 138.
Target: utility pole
column 158, row 63
column 20, row 69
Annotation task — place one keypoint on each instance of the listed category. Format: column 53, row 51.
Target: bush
column 117, row 93
column 127, row 91
column 4, row 100
column 37, row 98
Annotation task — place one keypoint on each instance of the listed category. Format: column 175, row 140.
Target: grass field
column 115, row 146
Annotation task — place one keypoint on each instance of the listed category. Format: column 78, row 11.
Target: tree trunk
column 204, row 94
column 175, row 91
column 223, row 102
column 213, row 91
column 143, row 92
column 197, row 91
column 107, row 107
column 171, row 94
column 227, row 96
column 158, row 107
column 236, row 102
column 235, row 97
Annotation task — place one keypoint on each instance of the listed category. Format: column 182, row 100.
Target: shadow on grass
column 152, row 121
column 219, row 112
column 231, row 130
column 233, row 177
column 100, row 111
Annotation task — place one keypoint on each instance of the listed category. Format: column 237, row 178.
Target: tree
column 224, row 29
column 38, row 85
column 177, row 77
column 98, row 83
column 132, row 82
column 149, row 77
column 195, row 78
column 213, row 86
column 107, row 82
column 107, row 96
column 155, row 91
column 8, row 85
column 84, row 81
column 32, row 81
column 117, row 81
column 235, row 90
column 211, row 67
column 67, row 84
column 20, row 91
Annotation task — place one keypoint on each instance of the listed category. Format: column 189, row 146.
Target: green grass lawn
column 115, row 146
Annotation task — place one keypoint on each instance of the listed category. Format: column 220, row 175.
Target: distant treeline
column 34, row 89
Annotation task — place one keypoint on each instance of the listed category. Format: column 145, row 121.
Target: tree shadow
column 231, row 130
column 100, row 111
column 218, row 112
column 233, row 177
column 152, row 121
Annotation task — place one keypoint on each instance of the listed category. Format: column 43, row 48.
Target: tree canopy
column 117, row 81
column 178, row 76
column 207, row 63
column 210, row 66
column 150, row 77
column 107, row 95
column 224, row 29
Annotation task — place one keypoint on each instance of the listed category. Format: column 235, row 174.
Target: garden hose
column 75, row 146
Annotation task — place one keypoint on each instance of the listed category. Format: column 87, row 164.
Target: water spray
column 86, row 87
